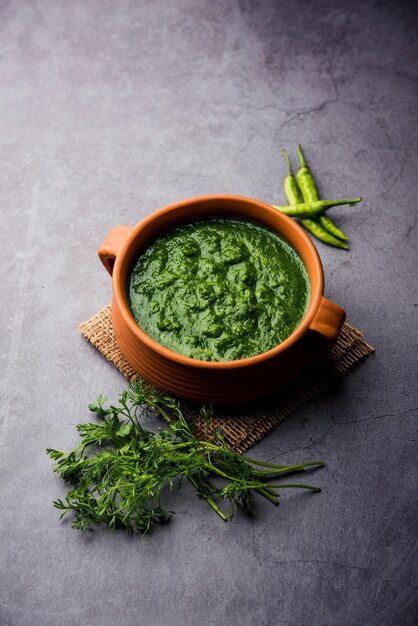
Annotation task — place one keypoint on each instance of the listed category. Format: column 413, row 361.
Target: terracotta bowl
column 229, row 382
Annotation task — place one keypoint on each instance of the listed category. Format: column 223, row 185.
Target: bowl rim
column 120, row 292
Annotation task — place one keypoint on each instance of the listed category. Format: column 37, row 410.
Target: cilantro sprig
column 120, row 468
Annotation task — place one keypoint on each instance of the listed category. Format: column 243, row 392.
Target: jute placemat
column 243, row 427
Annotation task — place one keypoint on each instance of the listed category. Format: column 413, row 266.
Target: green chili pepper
column 290, row 186
column 292, row 195
column 310, row 194
column 312, row 209
column 320, row 233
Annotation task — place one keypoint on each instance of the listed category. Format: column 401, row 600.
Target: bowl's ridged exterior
column 222, row 386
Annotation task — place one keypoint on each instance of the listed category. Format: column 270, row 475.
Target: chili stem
column 301, row 156
column 289, row 167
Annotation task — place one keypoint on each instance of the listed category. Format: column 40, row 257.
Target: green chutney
column 219, row 290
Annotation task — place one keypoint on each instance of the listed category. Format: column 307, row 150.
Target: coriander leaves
column 119, row 470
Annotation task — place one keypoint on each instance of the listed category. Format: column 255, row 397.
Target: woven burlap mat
column 243, row 427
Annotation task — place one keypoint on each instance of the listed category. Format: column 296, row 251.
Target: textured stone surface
column 110, row 110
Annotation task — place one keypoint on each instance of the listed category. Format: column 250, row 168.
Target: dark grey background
column 110, row 110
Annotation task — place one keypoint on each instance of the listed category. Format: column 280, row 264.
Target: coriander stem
column 283, row 467
column 209, row 500
column 290, row 468
column 221, row 473
column 268, row 495
column 279, row 486
column 265, row 475
column 262, row 463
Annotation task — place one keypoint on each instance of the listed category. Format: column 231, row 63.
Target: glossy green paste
column 219, row 290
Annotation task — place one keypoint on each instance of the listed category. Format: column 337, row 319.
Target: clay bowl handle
column 326, row 325
column 111, row 245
